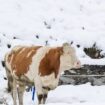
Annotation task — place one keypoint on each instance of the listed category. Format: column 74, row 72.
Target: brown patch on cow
column 51, row 62
column 21, row 59
column 13, row 53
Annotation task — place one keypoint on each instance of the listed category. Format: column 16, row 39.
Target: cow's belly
column 50, row 81
column 46, row 81
column 23, row 80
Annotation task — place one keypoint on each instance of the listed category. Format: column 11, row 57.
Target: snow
column 67, row 95
column 54, row 22
column 77, row 94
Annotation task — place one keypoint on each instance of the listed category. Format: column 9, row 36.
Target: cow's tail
column 5, row 62
column 8, row 73
column 5, row 59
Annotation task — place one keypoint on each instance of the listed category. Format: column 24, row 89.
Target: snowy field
column 52, row 22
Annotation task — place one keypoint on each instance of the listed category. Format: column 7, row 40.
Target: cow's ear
column 66, row 47
column 66, row 44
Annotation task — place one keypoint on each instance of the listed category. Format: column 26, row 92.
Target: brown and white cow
column 39, row 66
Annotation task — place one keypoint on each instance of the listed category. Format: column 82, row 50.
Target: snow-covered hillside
column 52, row 22
column 79, row 20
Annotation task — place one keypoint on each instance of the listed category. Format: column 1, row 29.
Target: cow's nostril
column 78, row 63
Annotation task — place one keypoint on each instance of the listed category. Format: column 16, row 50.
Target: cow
column 40, row 66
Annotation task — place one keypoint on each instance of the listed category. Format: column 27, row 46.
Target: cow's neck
column 64, row 65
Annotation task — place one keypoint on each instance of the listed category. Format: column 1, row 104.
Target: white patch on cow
column 33, row 71
column 65, row 62
column 30, row 53
column 36, row 59
column 21, row 50
column 13, row 73
column 49, row 81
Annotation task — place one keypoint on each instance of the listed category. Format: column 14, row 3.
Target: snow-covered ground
column 37, row 22
column 65, row 95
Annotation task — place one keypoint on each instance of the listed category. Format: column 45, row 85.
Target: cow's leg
column 39, row 90
column 42, row 97
column 9, row 85
column 10, row 80
column 45, row 94
column 21, row 89
column 14, row 92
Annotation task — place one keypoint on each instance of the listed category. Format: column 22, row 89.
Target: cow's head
column 69, row 59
